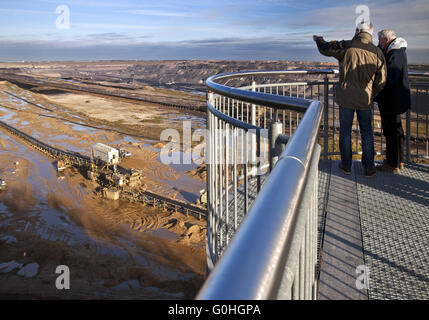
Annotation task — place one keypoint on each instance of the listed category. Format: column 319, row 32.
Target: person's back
column 362, row 63
column 396, row 94
column 362, row 70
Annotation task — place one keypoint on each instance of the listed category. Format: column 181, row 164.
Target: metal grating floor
column 394, row 213
column 323, row 188
column 228, row 220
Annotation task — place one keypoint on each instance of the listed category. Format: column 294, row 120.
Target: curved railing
column 267, row 237
column 246, row 132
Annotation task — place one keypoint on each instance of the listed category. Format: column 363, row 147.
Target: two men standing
column 364, row 77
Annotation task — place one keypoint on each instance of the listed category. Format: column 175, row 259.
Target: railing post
column 209, row 187
column 253, row 136
column 427, row 136
column 276, row 129
column 326, row 118
column 214, row 185
column 408, row 136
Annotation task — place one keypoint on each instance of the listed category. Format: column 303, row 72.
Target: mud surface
column 114, row 249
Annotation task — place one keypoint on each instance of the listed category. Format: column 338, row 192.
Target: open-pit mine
column 82, row 185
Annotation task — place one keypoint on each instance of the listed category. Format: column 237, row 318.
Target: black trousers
column 394, row 133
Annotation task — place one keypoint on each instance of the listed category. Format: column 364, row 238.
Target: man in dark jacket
column 394, row 100
column 362, row 77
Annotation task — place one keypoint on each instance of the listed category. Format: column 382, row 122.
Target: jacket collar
column 367, row 37
column 397, row 43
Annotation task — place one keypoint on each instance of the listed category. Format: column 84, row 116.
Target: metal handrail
column 231, row 120
column 250, row 268
column 263, row 263
column 265, row 99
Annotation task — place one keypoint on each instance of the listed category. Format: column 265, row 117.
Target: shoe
column 370, row 172
column 345, row 171
column 385, row 167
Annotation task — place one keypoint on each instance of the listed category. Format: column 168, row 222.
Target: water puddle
column 8, row 114
column 82, row 128
column 188, row 188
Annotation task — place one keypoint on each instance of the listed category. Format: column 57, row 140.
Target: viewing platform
column 283, row 221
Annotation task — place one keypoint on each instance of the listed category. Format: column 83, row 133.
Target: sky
column 198, row 29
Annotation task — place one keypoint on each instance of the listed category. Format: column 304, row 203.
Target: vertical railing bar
column 325, row 118
column 417, row 133
column 265, row 116
column 235, row 150
column 258, row 155
column 315, row 234
column 301, row 271
column 209, row 179
column 217, row 185
column 226, row 181
column 334, row 118
column 308, row 252
column 295, row 288
column 246, row 172
column 427, row 135
column 223, row 189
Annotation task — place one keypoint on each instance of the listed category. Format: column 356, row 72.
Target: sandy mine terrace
column 113, row 249
column 54, row 130
column 126, row 113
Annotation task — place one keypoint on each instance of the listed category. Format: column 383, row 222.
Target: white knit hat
column 365, row 26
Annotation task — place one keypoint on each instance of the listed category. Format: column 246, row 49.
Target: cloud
column 160, row 13
column 235, row 29
column 111, row 37
column 26, row 11
column 111, row 26
column 204, row 49
column 86, row 3
column 408, row 18
column 238, row 49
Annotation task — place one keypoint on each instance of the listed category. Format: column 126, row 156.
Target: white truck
column 105, row 153
column 124, row 153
